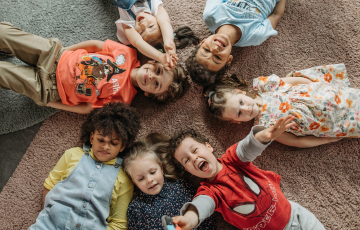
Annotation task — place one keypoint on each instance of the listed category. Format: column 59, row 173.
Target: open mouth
column 140, row 18
column 219, row 42
column 204, row 166
column 153, row 186
column 145, row 76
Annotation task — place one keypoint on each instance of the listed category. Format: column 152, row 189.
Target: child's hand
column 276, row 130
column 171, row 56
column 183, row 222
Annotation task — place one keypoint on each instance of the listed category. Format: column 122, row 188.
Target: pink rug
column 325, row 180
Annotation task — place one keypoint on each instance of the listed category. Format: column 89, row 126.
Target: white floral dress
column 327, row 107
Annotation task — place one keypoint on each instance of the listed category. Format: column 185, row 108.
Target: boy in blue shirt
column 233, row 23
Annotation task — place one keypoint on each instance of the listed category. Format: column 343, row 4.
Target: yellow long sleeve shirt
column 121, row 194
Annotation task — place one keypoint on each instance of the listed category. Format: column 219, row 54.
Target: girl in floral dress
column 321, row 99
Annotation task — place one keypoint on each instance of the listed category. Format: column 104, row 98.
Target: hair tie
column 210, row 94
column 174, row 35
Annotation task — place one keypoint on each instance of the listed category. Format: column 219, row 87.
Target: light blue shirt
column 249, row 15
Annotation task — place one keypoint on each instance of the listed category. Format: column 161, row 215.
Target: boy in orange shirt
column 83, row 76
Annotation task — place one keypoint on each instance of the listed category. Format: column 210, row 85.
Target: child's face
column 153, row 78
column 106, row 148
column 214, row 52
column 197, row 158
column 239, row 107
column 147, row 26
column 147, row 174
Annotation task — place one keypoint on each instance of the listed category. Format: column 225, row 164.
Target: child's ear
column 230, row 59
column 146, row 94
column 209, row 146
column 201, row 42
column 91, row 137
column 122, row 148
column 240, row 91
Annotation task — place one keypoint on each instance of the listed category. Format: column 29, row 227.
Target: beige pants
column 38, row 80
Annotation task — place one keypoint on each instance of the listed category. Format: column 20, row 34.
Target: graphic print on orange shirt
column 93, row 70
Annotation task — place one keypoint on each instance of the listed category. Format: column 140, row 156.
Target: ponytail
column 186, row 37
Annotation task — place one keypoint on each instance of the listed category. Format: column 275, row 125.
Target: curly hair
column 114, row 116
column 155, row 145
column 215, row 94
column 179, row 85
column 176, row 141
column 199, row 73
column 184, row 36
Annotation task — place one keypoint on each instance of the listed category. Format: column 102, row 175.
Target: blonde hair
column 155, row 145
column 215, row 95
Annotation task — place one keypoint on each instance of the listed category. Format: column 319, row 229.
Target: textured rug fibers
column 325, row 179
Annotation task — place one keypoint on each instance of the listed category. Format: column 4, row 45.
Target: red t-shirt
column 99, row 77
column 247, row 197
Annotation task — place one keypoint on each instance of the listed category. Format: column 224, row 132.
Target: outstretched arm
column 167, row 34
column 145, row 48
column 189, row 220
column 276, row 130
column 83, row 108
column 305, row 141
column 90, row 46
column 277, row 13
column 296, row 80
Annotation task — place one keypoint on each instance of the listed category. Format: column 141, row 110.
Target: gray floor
column 12, row 148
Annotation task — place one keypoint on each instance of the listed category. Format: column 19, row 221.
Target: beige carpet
column 326, row 179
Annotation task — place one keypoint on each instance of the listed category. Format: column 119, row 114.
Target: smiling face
column 147, row 26
column 214, row 52
column 239, row 107
column 153, row 78
column 105, row 148
column 147, row 174
column 198, row 159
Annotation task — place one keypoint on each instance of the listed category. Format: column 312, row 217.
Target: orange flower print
column 351, row 130
column 322, row 120
column 264, row 107
column 314, row 125
column 349, row 102
column 318, row 113
column 341, row 75
column 318, row 97
column 341, row 134
column 284, row 106
column 309, row 89
column 340, row 93
column 324, row 129
column 347, row 124
column 282, row 83
column 331, row 68
column 316, row 80
column 304, row 94
column 337, row 99
column 327, row 77
column 298, row 115
column 263, row 79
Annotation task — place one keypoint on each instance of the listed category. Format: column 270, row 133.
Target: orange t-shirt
column 99, row 77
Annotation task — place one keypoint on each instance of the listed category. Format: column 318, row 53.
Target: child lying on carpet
column 160, row 192
column 87, row 188
column 83, row 76
column 325, row 106
column 246, row 196
column 146, row 23
column 233, row 23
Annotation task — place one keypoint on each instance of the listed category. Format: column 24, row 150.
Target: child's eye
column 195, row 150
column 100, row 140
column 241, row 102
column 151, row 26
column 158, row 71
column 142, row 178
column 114, row 144
column 156, row 84
column 153, row 172
column 207, row 50
column 239, row 114
column 217, row 57
column 187, row 160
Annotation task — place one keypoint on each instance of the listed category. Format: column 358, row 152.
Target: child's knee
column 4, row 29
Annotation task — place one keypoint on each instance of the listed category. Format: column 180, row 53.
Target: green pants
column 38, row 80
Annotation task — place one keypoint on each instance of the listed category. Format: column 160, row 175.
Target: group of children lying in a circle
column 92, row 187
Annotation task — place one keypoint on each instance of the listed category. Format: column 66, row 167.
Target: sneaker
column 5, row 54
